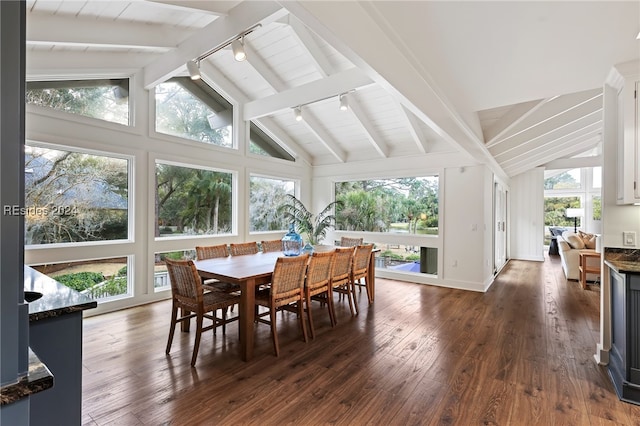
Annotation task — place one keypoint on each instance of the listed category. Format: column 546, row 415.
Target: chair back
column 350, row 242
column 271, row 245
column 361, row 260
column 319, row 270
column 239, row 249
column 186, row 285
column 341, row 268
column 288, row 279
column 211, row 252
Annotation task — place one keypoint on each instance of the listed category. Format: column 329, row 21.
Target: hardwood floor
column 520, row 354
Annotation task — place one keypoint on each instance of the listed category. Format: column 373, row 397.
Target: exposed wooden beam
column 219, row 81
column 71, row 31
column 510, row 120
column 315, row 127
column 333, row 85
column 222, row 30
column 372, row 134
column 218, row 7
column 574, row 163
column 305, row 38
column 413, row 125
column 256, row 61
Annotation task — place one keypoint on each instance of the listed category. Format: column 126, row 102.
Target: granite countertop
column 38, row 378
column 56, row 299
column 623, row 261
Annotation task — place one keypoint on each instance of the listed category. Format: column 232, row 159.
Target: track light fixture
column 237, row 45
column 344, row 102
column 194, row 69
column 298, row 113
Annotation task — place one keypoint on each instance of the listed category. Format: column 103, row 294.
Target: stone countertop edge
column 38, row 379
column 56, row 300
column 621, row 260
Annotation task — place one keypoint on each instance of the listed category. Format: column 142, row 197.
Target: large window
column 555, row 211
column 192, row 201
column 191, row 109
column 102, row 99
column 564, row 180
column 73, row 197
column 404, row 205
column 265, row 195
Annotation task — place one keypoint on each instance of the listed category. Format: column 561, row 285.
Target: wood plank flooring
column 520, row 354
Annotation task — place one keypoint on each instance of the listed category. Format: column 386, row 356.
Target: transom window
column 191, row 109
column 105, row 99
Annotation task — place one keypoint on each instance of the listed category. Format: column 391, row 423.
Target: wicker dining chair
column 239, row 249
column 287, row 288
column 341, row 276
column 213, row 252
column 318, row 284
column 360, row 267
column 188, row 295
column 350, row 242
column 271, row 245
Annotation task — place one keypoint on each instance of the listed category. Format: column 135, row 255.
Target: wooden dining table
column 250, row 271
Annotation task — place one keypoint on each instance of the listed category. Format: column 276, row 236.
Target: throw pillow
column 574, row 240
column 589, row 239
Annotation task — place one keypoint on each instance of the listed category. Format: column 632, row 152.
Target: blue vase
column 292, row 242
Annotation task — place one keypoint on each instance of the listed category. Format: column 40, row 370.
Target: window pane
column 103, row 99
column 101, row 279
column 555, row 211
column 73, row 197
column 193, row 110
column 409, row 259
column 260, row 143
column 596, row 201
column 564, row 180
column 192, row 201
column 265, row 195
column 161, row 280
column 404, row 205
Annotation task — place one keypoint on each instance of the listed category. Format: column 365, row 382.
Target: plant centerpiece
column 314, row 227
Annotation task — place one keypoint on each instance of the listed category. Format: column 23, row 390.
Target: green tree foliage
column 561, row 181
column 74, row 197
column 192, row 200
column 265, row 195
column 379, row 205
column 96, row 102
column 180, row 113
column 555, row 210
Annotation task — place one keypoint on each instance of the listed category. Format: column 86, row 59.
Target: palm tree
column 314, row 226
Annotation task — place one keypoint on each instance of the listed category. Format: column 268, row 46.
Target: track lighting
column 194, row 69
column 298, row 113
column 344, row 102
column 237, row 46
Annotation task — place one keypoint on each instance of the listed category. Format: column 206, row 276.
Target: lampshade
column 573, row 212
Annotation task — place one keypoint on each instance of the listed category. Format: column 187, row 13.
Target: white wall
column 527, row 216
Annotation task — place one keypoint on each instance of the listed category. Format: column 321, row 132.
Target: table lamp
column 575, row 214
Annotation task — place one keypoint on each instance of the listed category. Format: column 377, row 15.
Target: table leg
column 247, row 310
column 371, row 278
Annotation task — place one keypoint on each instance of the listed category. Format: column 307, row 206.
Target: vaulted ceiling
column 513, row 85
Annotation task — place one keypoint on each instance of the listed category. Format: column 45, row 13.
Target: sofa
column 570, row 244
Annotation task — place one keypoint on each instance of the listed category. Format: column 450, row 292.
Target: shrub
column 80, row 280
column 413, row 257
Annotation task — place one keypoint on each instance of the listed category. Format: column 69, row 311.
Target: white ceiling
column 513, row 85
